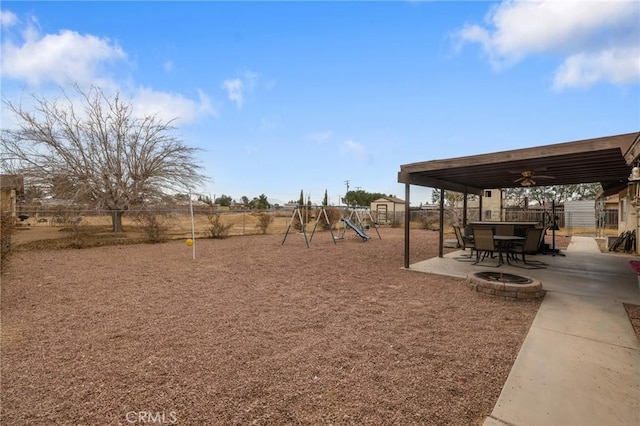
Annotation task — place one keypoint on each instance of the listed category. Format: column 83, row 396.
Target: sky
column 290, row 96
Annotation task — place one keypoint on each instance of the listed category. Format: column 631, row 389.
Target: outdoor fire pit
column 508, row 286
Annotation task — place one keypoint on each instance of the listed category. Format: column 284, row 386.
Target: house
column 11, row 188
column 492, row 204
column 387, row 209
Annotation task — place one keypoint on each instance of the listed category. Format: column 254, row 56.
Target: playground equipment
column 298, row 213
column 356, row 228
column 321, row 215
column 354, row 221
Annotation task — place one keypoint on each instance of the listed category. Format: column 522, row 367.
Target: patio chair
column 505, row 229
column 464, row 242
column 485, row 245
column 530, row 246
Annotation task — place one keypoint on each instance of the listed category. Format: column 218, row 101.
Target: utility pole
column 346, row 182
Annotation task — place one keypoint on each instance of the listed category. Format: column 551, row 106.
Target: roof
column 606, row 160
column 391, row 199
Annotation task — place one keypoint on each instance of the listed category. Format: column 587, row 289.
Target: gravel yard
column 251, row 332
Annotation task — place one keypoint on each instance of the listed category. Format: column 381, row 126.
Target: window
column 487, row 214
column 487, row 193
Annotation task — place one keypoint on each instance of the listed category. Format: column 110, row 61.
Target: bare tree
column 100, row 153
column 559, row 193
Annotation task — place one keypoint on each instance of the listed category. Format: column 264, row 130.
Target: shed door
column 381, row 211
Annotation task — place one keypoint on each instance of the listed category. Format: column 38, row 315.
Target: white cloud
column 616, row 65
column 168, row 66
column 588, row 34
column 238, row 87
column 355, row 149
column 69, row 58
column 235, row 91
column 8, row 18
column 59, row 58
column 170, row 106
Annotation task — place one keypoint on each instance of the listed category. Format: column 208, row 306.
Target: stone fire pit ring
column 507, row 286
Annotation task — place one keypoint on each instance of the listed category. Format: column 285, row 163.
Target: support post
column 407, row 224
column 441, row 232
column 193, row 228
column 464, row 209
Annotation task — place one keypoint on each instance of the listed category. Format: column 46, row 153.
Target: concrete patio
column 580, row 361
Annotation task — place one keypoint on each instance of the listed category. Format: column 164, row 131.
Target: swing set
column 354, row 222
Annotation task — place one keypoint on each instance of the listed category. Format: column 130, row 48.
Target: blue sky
column 290, row 96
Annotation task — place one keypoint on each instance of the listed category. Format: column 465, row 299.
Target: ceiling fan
column 527, row 178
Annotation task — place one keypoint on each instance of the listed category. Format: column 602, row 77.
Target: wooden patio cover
column 607, row 160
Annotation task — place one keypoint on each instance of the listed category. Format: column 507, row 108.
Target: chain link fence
column 175, row 222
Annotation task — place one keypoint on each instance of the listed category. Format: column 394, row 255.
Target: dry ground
column 251, row 332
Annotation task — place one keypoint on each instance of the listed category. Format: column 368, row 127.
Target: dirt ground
column 251, row 332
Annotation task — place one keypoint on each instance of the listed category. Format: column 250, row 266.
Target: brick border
column 507, row 291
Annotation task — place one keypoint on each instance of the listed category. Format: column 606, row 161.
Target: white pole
column 193, row 228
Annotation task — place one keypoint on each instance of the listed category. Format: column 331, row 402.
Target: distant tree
column 451, row 198
column 260, row 203
column 325, row 200
column 245, row 200
column 263, row 202
column 224, row 200
column 97, row 152
column 559, row 193
column 301, row 200
column 521, row 196
column 362, row 198
column 452, row 203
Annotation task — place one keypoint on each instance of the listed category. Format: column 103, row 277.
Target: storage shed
column 580, row 214
column 386, row 209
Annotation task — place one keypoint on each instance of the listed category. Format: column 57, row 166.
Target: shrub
column 6, row 225
column 295, row 220
column 217, row 229
column 264, row 220
column 155, row 226
column 428, row 222
column 333, row 215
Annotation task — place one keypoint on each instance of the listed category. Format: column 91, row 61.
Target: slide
column 356, row 228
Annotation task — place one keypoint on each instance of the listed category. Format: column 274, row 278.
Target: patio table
column 504, row 243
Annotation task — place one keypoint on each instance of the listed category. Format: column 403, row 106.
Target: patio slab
column 583, row 271
column 580, row 361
